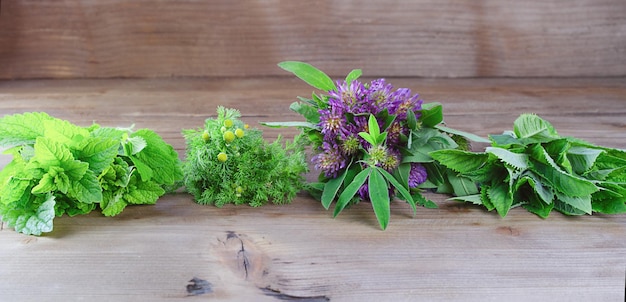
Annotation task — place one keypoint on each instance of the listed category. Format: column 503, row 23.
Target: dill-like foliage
column 228, row 162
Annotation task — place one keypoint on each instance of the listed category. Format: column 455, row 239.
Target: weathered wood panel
column 158, row 38
column 275, row 253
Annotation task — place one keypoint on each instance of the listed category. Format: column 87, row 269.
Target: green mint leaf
column 532, row 128
column 431, row 114
column 98, row 153
column 134, row 145
column 379, row 197
column 112, row 203
column 157, row 155
column 353, row 75
column 87, row 189
column 37, row 222
column 309, row 74
column 49, row 153
column 22, row 129
column 351, row 190
column 143, row 192
column 65, row 133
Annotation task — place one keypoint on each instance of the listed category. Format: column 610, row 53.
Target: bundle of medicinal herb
column 533, row 167
column 373, row 141
column 229, row 162
column 60, row 168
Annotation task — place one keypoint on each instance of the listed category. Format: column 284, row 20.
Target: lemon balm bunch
column 371, row 142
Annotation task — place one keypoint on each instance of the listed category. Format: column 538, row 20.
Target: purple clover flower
column 331, row 160
column 417, row 175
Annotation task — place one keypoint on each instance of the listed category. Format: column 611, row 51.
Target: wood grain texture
column 426, row 38
column 296, row 252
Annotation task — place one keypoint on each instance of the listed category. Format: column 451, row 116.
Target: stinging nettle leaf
column 517, row 160
column 532, row 128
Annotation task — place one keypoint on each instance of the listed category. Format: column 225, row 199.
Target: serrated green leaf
column 13, row 190
column 65, row 133
column 38, row 222
column 582, row 203
column 379, row 197
column 560, row 180
column 143, row 192
column 460, row 161
column 112, row 203
column 134, row 145
column 506, row 140
column 309, row 74
column 567, row 209
column 157, row 155
column 49, row 153
column 543, row 192
column 474, row 199
column 98, row 153
column 351, row 190
column 21, row 129
column 582, row 158
column 501, row 197
column 531, row 128
column 87, row 189
column 516, row 160
column 470, row 136
column 538, row 207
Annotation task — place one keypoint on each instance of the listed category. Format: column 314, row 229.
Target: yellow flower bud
column 239, row 133
column 229, row 136
column 246, row 126
column 206, row 136
column 228, row 123
column 222, row 157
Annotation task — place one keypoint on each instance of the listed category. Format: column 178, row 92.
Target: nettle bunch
column 61, row 168
column 229, row 162
column 372, row 142
column 534, row 167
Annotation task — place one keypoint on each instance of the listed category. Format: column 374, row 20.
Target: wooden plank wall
column 425, row 38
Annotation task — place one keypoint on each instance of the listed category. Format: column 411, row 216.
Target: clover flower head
column 330, row 160
column 349, row 94
column 332, row 120
column 417, row 175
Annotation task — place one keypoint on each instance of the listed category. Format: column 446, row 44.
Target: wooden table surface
column 457, row 252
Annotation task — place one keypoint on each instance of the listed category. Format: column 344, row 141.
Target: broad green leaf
column 567, row 209
column 353, row 75
column 398, row 186
column 543, row 192
column 532, row 128
column 431, row 114
column 98, row 153
column 49, row 153
column 113, row 203
column 66, row 133
column 351, row 190
column 582, row 203
column 331, row 188
column 134, row 145
column 309, row 112
column 411, row 120
column 538, row 207
column 379, row 197
column 21, row 129
column 460, row 161
column 500, row 196
column 505, row 140
column 38, row 222
column 560, row 180
column 402, row 174
column 87, row 189
column 461, row 186
column 13, row 190
column 373, row 129
column 516, row 160
column 582, row 158
column 615, row 205
column 159, row 156
column 143, row 192
column 309, row 74
column 470, row 136
column 143, row 168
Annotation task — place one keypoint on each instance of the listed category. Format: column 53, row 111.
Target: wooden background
column 426, row 38
column 166, row 65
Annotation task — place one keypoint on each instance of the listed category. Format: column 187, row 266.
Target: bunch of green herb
column 535, row 168
column 228, row 162
column 61, row 168
column 373, row 142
